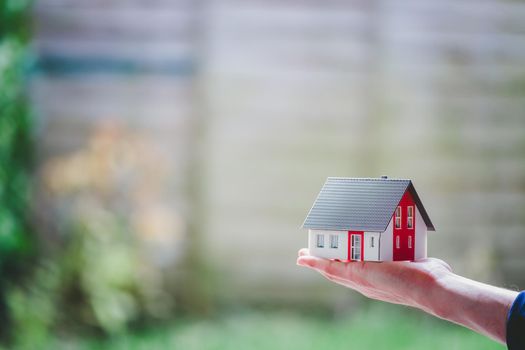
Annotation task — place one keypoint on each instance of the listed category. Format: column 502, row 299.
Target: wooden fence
column 267, row 98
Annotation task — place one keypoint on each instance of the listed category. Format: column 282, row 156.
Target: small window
column 334, row 241
column 372, row 242
column 397, row 218
column 398, row 245
column 410, row 217
column 320, row 241
column 409, row 241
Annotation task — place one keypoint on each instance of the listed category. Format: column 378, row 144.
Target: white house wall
column 330, row 253
column 371, row 253
column 386, row 244
column 421, row 237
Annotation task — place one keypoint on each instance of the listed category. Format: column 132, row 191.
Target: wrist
column 432, row 297
column 438, row 299
column 478, row 306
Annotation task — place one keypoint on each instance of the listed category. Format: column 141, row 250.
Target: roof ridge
column 366, row 178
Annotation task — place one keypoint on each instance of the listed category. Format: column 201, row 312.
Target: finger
column 330, row 267
column 340, row 280
column 369, row 292
column 444, row 263
column 303, row 252
column 434, row 262
column 310, row 261
column 362, row 289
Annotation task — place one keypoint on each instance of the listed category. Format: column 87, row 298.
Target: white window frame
column 398, row 242
column 319, row 240
column 410, row 217
column 334, row 241
column 410, row 242
column 397, row 216
column 355, row 247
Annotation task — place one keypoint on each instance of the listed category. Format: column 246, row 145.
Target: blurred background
column 157, row 159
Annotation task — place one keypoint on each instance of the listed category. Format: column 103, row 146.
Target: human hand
column 427, row 284
column 401, row 282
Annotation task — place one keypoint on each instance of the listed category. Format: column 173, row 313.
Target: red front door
column 355, row 245
column 404, row 228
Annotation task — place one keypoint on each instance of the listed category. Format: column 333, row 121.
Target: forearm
column 480, row 307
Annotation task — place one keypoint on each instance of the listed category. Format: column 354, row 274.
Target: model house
column 368, row 219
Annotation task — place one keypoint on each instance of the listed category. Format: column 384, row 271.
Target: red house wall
column 404, row 252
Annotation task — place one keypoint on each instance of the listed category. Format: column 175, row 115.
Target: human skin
column 428, row 285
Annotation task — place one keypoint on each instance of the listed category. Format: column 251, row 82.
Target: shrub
column 15, row 149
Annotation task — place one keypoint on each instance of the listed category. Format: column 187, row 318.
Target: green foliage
column 15, row 151
column 105, row 202
column 99, row 261
column 91, row 283
column 381, row 327
column 14, row 131
column 14, row 18
column 33, row 308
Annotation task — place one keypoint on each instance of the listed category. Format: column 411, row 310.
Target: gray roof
column 360, row 204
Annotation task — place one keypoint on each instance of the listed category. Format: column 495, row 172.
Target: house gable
column 420, row 207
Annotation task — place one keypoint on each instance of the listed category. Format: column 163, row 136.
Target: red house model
column 368, row 219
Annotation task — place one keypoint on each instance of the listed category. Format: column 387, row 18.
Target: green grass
column 377, row 328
